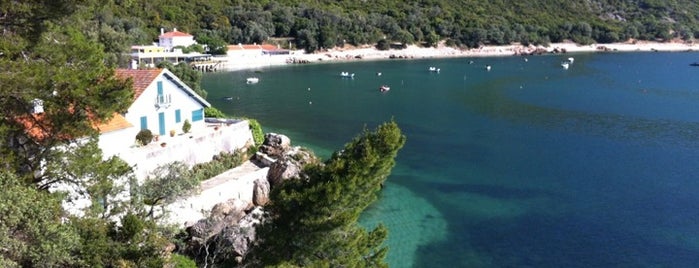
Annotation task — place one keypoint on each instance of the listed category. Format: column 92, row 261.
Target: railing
column 163, row 101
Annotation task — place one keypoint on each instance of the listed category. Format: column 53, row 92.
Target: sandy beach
column 442, row 51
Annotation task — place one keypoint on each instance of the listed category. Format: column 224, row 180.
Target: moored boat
column 252, row 80
column 384, row 88
column 347, row 75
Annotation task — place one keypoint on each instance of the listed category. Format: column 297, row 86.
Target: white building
column 175, row 38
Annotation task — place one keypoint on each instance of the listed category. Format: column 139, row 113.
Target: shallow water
column 524, row 165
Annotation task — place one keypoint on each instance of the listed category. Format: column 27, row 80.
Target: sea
column 525, row 165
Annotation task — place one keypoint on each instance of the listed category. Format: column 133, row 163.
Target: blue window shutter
column 161, row 123
column 160, row 88
column 197, row 115
column 144, row 122
column 178, row 118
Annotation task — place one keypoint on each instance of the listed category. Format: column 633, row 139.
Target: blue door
column 161, row 123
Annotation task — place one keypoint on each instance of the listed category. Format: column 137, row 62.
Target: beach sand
column 442, row 51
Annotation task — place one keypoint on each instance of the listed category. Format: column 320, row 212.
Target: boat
column 384, row 88
column 347, row 75
column 565, row 65
column 487, row 67
column 252, row 80
column 695, row 64
column 571, row 59
column 434, row 69
column 378, row 74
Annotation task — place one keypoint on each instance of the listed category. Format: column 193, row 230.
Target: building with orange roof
column 168, row 40
column 162, row 102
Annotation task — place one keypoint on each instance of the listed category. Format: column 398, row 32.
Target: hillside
column 320, row 24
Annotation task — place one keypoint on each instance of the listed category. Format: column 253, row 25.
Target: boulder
column 241, row 236
column 260, row 192
column 275, row 145
column 290, row 165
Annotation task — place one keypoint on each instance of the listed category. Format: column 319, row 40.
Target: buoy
column 309, row 89
column 310, row 102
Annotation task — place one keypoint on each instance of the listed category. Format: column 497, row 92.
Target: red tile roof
column 174, row 34
column 141, row 78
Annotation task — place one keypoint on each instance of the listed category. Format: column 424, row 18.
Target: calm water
column 528, row 165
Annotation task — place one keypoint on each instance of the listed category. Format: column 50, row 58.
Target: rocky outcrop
column 290, row 165
column 228, row 232
column 275, row 145
column 260, row 192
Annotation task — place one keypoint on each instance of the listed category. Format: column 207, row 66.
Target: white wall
column 145, row 106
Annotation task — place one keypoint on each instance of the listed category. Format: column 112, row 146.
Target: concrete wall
column 203, row 145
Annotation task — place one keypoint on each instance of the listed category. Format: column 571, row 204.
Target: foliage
column 166, row 184
column 180, row 261
column 188, row 75
column 145, row 136
column 213, row 112
column 314, row 222
column 186, row 126
column 257, row 134
column 136, row 243
column 31, row 233
column 222, row 162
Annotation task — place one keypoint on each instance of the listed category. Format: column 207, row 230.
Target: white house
column 175, row 38
column 162, row 102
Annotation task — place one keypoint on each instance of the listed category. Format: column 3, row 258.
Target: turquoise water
column 527, row 165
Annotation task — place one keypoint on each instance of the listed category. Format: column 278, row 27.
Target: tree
column 31, row 233
column 191, row 77
column 313, row 222
column 166, row 184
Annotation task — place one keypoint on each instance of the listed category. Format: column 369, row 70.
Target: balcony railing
column 163, row 101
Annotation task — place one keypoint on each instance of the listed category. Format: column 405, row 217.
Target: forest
column 65, row 53
column 314, row 25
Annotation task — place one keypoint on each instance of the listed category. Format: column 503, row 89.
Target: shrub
column 218, row 165
column 186, row 126
column 144, row 136
column 257, row 133
column 213, row 112
column 180, row 261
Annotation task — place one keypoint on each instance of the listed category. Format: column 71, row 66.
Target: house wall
column 145, row 105
column 113, row 142
column 170, row 42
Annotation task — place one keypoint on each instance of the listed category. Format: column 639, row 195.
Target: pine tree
column 314, row 222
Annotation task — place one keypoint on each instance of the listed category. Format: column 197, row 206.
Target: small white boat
column 252, row 80
column 565, row 65
column 384, row 88
column 347, row 75
column 434, row 69
column 378, row 74
column 487, row 67
column 571, row 59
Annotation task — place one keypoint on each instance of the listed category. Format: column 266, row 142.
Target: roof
column 117, row 122
column 174, row 34
column 141, row 78
column 39, row 128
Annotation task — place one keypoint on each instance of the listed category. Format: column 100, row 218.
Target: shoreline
column 369, row 53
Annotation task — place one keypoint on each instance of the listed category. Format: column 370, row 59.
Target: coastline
column 364, row 53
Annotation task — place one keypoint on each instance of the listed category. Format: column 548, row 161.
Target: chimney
column 38, row 106
column 134, row 64
column 162, row 31
column 174, row 29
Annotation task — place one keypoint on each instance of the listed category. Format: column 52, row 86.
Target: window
column 197, row 115
column 144, row 122
column 160, row 88
column 178, row 117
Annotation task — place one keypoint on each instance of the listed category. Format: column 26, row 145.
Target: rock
column 290, row 165
column 275, row 145
column 260, row 192
column 240, row 237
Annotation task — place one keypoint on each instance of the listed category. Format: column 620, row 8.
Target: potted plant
column 172, row 133
column 186, row 126
column 163, row 144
